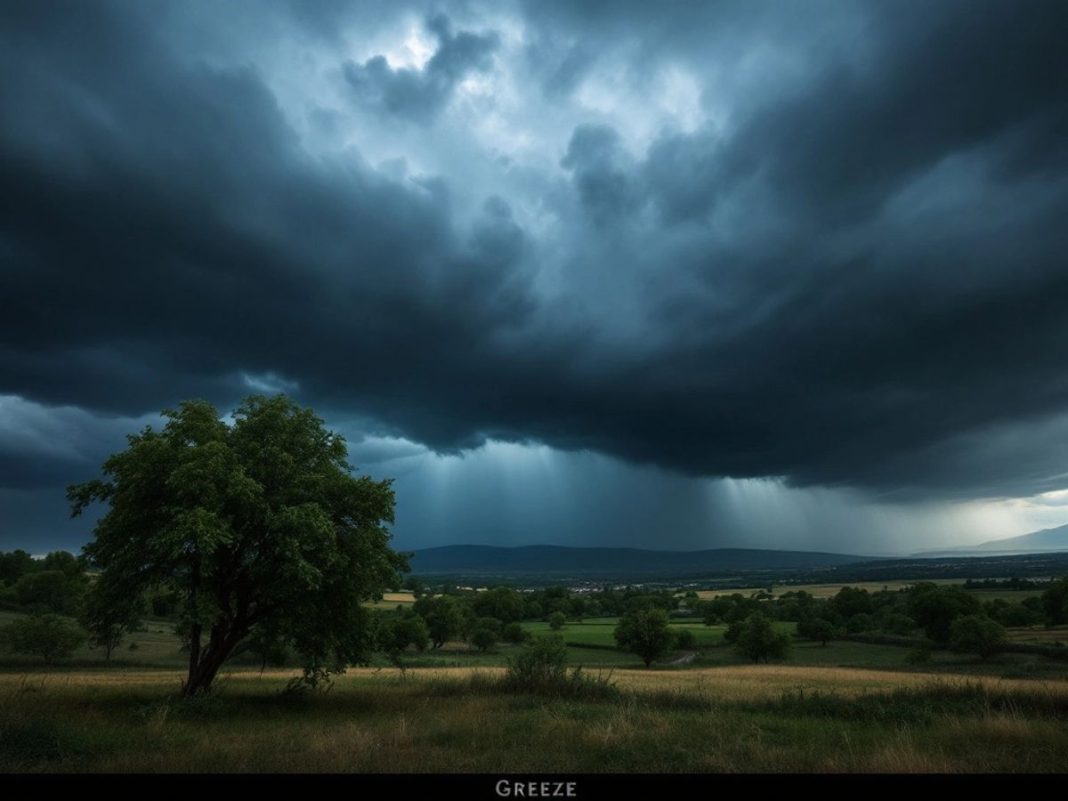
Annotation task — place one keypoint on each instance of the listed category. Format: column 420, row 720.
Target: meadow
column 847, row 706
column 739, row 718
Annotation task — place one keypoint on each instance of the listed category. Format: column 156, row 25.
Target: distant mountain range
column 489, row 560
column 1048, row 540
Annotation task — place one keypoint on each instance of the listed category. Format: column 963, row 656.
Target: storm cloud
column 821, row 246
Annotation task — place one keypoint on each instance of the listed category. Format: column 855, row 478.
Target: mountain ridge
column 1047, row 540
column 528, row 559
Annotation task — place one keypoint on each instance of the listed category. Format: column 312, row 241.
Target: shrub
column 976, row 634
column 557, row 621
column 818, row 629
column 685, row 639
column 919, row 654
column 541, row 668
column 515, row 633
column 483, row 638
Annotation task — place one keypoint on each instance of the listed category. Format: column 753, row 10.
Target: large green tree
column 645, row 632
column 935, row 608
column 759, row 641
column 444, row 617
column 976, row 634
column 258, row 523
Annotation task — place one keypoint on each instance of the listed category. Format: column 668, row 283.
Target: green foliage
column 395, row 634
column 64, row 562
column 896, row 623
column 1012, row 614
column 861, row 622
column 255, row 522
column 685, row 639
column 645, row 632
column 557, row 621
column 541, row 668
column 268, row 645
column 541, row 663
column 976, row 634
column 710, row 614
column 850, row 601
column 57, row 591
column 484, row 637
column 444, row 617
column 919, row 654
column 734, row 631
column 14, row 565
column 515, row 633
column 935, row 608
column 503, row 603
column 758, row 641
column 109, row 619
column 48, row 636
column 818, row 629
column 1055, row 602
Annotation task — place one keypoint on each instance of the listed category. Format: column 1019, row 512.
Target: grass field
column 849, row 706
column 762, row 719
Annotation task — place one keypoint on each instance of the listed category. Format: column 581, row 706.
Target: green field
column 848, row 706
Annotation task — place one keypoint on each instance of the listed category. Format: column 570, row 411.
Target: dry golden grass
column 761, row 682
column 736, row 683
column 398, row 598
column 436, row 720
column 1040, row 635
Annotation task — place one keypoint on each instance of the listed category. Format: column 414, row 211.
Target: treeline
column 931, row 614
column 57, row 583
column 485, row 618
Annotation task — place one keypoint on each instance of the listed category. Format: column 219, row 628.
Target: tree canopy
column 256, row 524
column 759, row 641
column 645, row 632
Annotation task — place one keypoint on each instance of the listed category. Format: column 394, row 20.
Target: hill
column 489, row 560
column 1045, row 541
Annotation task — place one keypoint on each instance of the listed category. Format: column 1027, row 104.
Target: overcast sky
column 685, row 275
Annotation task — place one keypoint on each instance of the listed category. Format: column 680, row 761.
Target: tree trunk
column 194, row 658
column 203, row 672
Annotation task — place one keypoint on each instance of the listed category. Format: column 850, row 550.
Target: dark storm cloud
column 855, row 277
column 420, row 94
column 601, row 177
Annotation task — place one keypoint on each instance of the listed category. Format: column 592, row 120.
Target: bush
column 541, row 668
column 818, row 629
column 515, row 633
column 685, row 639
column 483, row 638
column 976, row 634
column 897, row 623
column 544, row 661
column 557, row 621
column 50, row 637
column 920, row 654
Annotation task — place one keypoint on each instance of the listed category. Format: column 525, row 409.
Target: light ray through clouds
column 744, row 274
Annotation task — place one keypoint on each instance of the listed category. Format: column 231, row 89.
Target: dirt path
column 685, row 659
